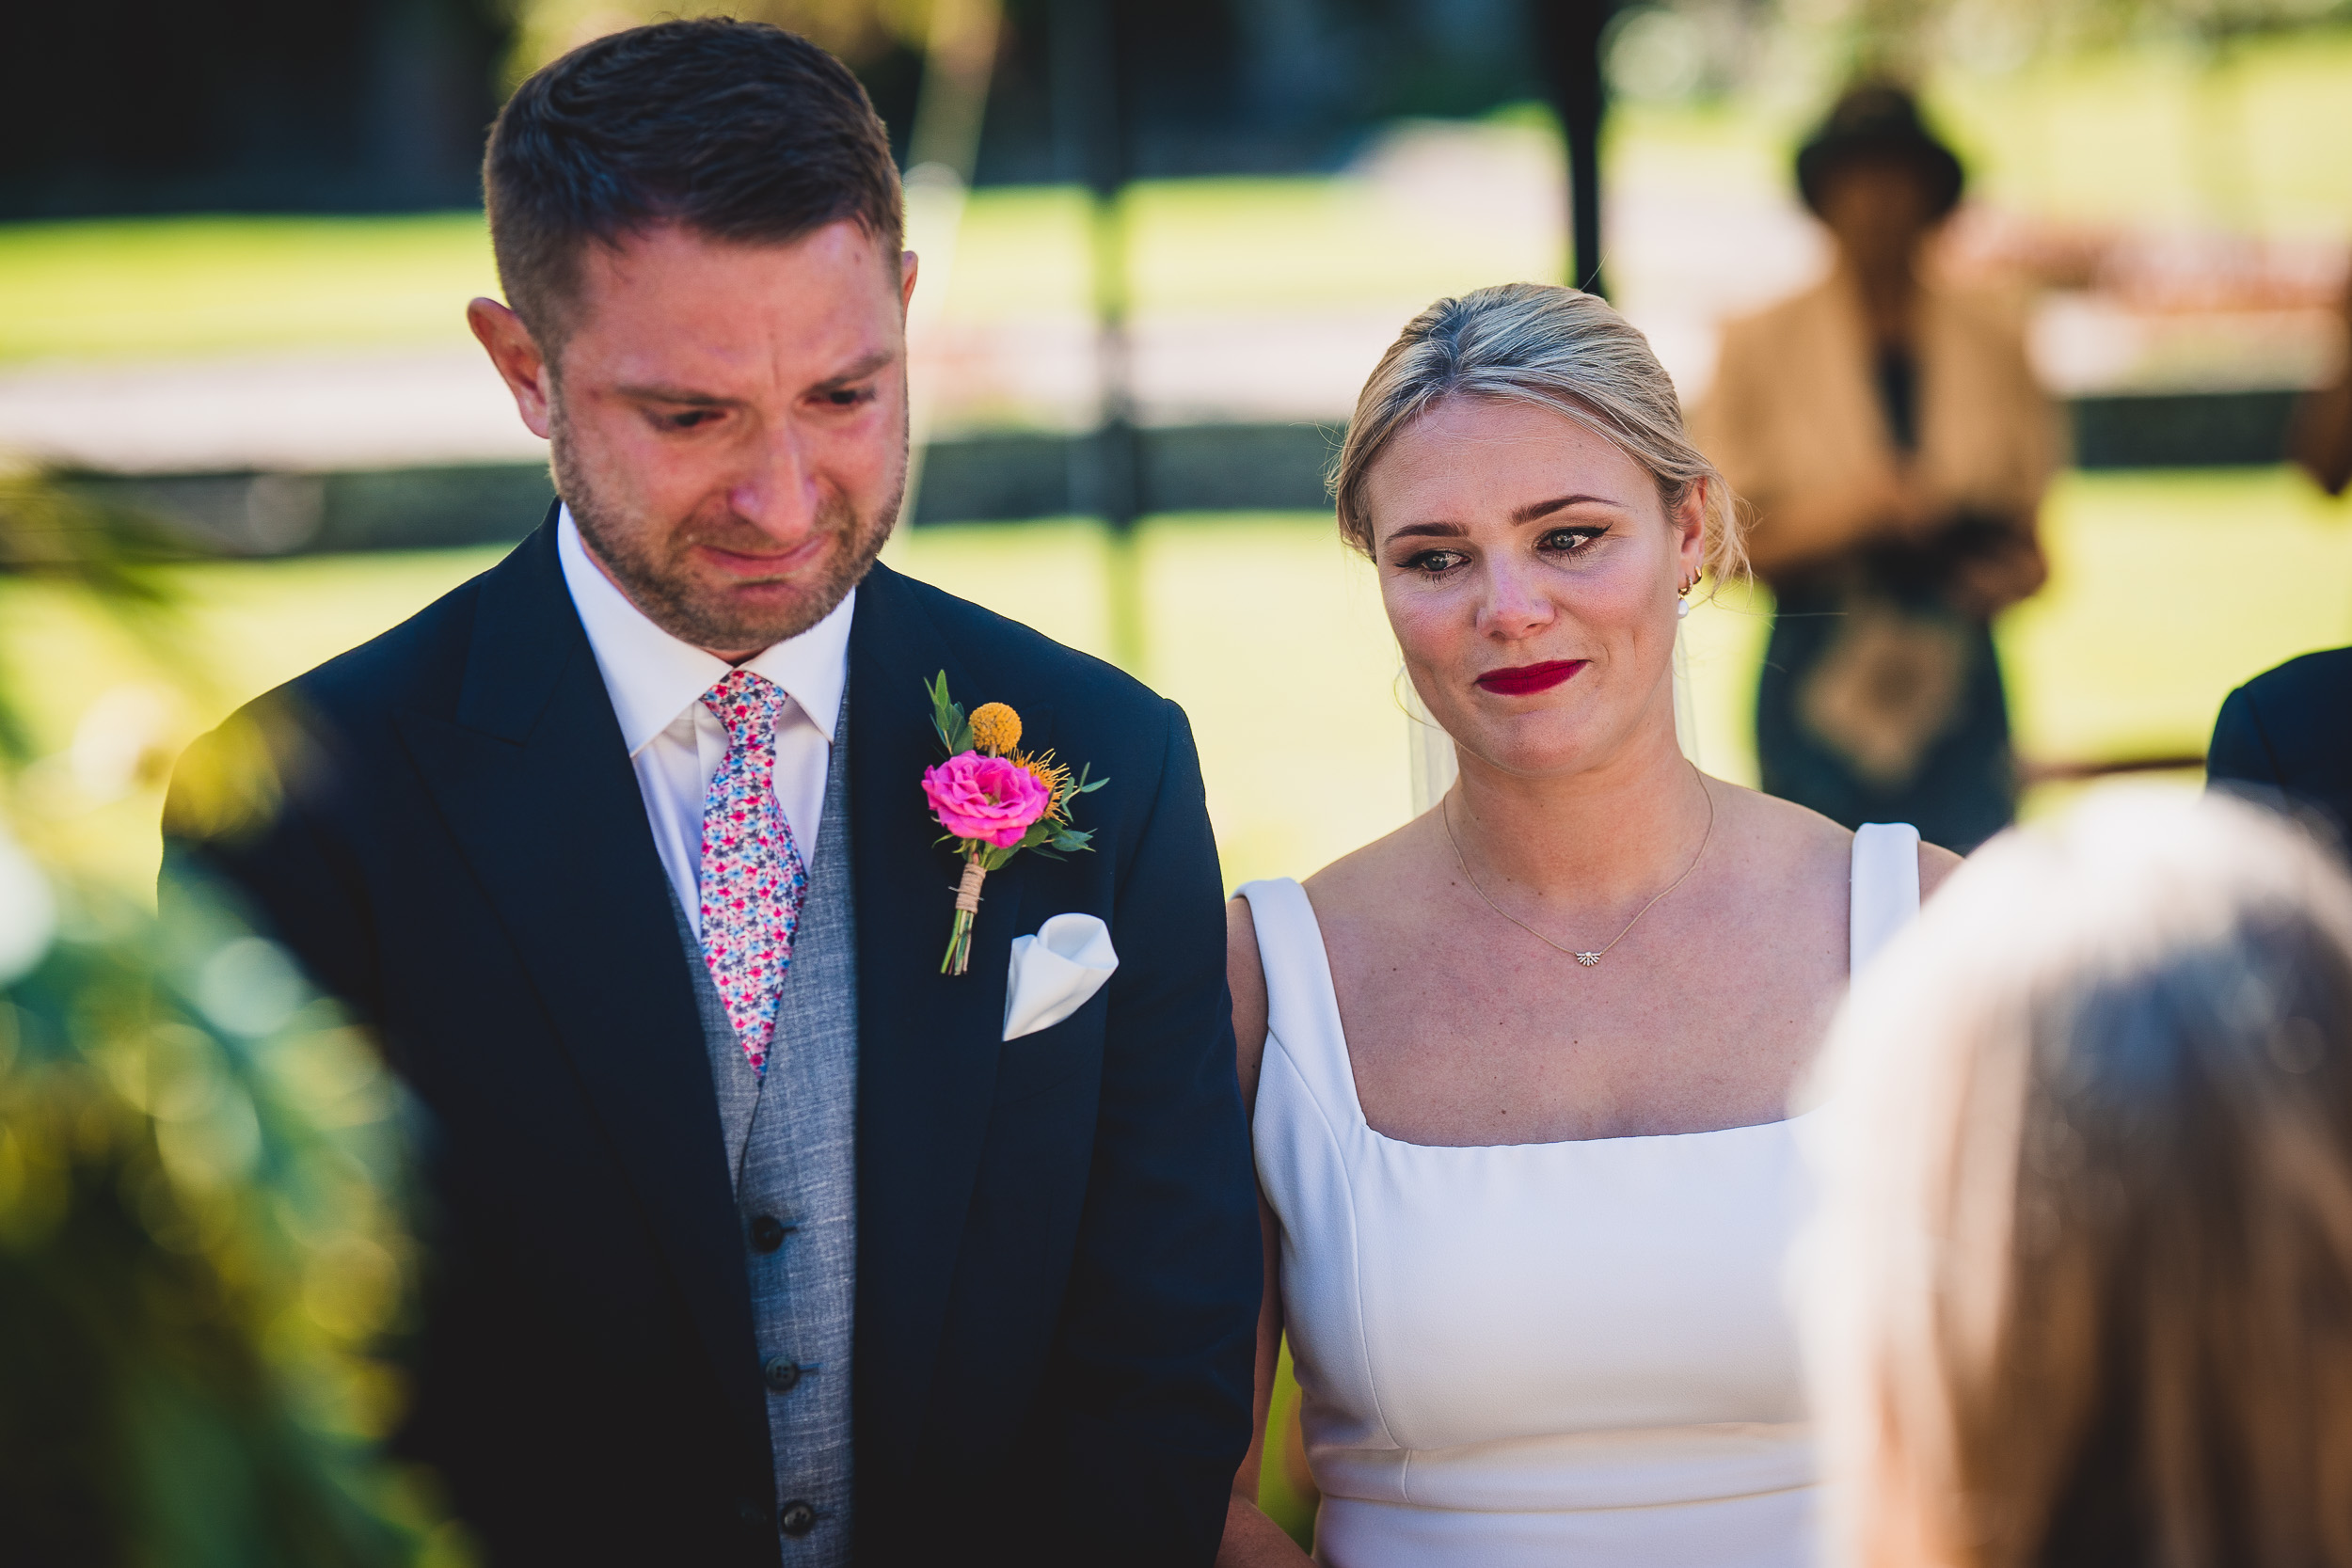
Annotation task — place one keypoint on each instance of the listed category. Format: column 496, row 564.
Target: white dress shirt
column 676, row 743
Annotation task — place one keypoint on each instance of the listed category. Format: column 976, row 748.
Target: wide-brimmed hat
column 1876, row 122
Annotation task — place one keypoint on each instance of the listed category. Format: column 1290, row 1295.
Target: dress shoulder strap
column 1302, row 1006
column 1885, row 894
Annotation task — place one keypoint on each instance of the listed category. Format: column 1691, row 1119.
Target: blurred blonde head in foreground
column 2082, row 1292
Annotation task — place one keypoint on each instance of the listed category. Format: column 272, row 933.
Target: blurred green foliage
column 203, row 1237
column 102, row 555
column 201, row 1240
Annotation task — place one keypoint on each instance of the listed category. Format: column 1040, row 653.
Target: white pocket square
column 1055, row 972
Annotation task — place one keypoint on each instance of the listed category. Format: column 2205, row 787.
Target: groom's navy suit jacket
column 1058, row 1240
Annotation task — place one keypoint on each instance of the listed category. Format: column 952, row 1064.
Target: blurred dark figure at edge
column 1890, row 436
column 2288, row 733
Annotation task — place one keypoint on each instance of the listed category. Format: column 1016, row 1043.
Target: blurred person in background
column 1894, row 444
column 2287, row 733
column 2082, row 1290
column 2285, row 737
column 1519, row 1070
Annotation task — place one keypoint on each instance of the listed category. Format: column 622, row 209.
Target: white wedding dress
column 1553, row 1354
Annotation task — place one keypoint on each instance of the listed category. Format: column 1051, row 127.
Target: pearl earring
column 1682, row 609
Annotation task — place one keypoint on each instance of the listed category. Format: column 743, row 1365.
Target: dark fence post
column 1569, row 35
column 1093, row 134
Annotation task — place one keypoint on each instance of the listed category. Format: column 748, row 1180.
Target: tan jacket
column 1793, row 418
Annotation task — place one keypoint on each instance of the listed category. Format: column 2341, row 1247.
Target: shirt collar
column 653, row 677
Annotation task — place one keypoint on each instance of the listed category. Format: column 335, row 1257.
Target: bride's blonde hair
column 2082, row 1292
column 1555, row 348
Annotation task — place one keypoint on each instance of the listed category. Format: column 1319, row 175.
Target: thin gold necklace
column 1445, row 809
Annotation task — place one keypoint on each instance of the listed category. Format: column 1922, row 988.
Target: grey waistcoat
column 792, row 1147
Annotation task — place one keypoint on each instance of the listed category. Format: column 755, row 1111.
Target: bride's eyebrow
column 1428, row 531
column 1534, row 510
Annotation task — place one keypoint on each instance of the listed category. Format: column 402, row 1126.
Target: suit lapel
column 535, row 785
column 927, row 1042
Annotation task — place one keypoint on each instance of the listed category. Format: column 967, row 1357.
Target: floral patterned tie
column 752, row 881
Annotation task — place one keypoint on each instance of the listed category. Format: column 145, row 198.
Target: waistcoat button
column 797, row 1517
column 767, row 1233
column 782, row 1374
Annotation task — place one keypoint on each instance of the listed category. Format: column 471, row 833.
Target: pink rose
column 987, row 798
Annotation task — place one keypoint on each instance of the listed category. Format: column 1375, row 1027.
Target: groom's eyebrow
column 676, row 394
column 654, row 392
column 857, row 371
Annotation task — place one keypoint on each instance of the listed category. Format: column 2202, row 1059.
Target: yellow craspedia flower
column 995, row 729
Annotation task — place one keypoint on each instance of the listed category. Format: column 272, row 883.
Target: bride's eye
column 1433, row 564
column 1570, row 541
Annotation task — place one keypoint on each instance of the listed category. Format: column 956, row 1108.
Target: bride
column 1517, row 1071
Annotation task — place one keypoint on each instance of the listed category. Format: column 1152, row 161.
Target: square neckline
column 1330, row 1003
column 1883, row 897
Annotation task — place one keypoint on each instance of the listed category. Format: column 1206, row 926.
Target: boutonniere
column 994, row 801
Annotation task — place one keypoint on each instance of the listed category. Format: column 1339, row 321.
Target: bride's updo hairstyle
column 1556, row 348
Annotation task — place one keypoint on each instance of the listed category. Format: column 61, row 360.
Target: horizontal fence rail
column 1012, row 476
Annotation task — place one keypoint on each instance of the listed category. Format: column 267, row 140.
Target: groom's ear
column 516, row 352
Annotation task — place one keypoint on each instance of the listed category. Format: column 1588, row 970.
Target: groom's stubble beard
column 651, row 567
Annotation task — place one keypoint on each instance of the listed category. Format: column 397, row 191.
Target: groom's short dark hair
column 736, row 131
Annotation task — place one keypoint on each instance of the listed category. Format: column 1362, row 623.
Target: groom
column 755, row 1237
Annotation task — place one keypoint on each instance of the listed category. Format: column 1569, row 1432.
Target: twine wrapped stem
column 967, row 906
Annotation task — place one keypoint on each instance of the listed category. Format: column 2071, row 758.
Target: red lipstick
column 1524, row 680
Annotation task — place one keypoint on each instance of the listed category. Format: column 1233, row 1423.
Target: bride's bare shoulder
column 1344, row 893
column 1804, row 841
column 1777, row 830
column 1372, row 878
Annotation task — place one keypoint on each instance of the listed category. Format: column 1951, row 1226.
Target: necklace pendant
column 1588, row 959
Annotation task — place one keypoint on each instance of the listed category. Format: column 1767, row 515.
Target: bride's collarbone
column 1480, row 1044
column 1463, row 1029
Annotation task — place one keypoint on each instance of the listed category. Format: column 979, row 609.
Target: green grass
column 2153, row 136
column 2148, row 135
column 1314, row 245
column 2166, row 591
column 188, row 287
column 2249, row 140
column 159, row 288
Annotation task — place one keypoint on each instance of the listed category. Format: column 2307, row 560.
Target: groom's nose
column 776, row 491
